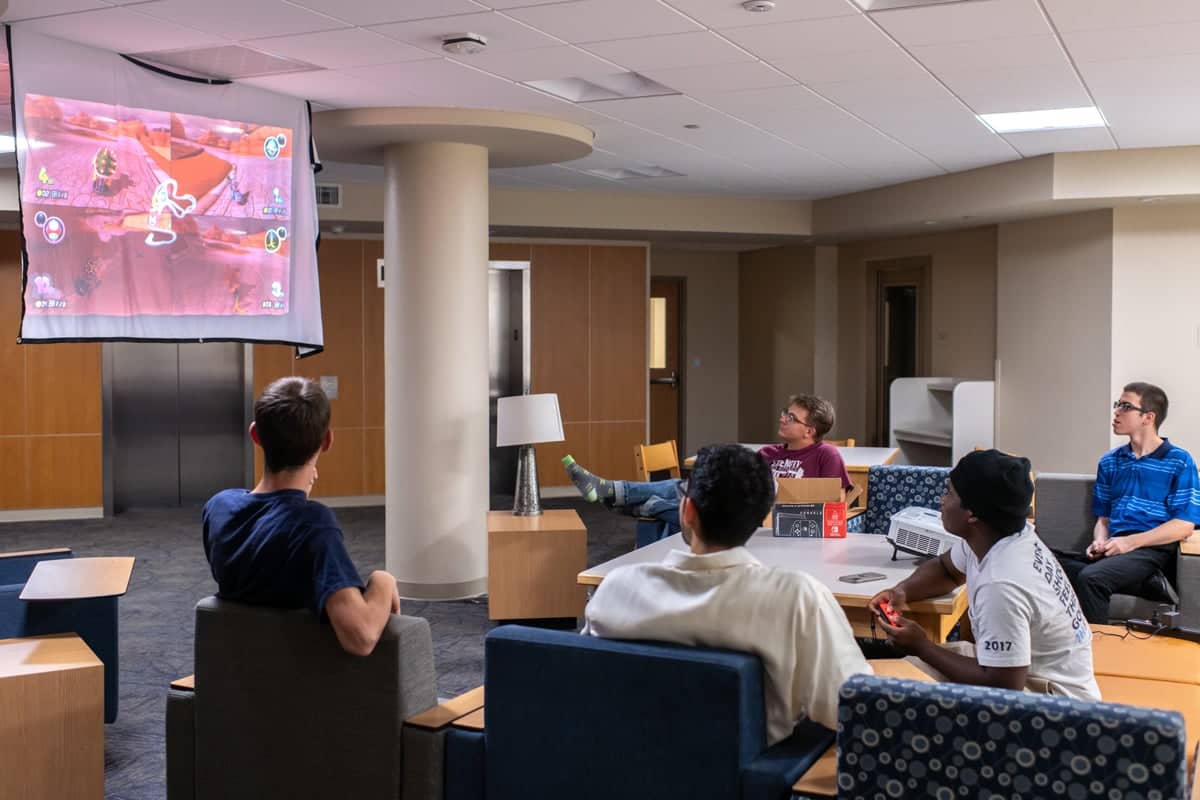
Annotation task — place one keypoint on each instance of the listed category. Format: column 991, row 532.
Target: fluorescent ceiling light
column 1052, row 119
column 884, row 5
column 7, row 143
column 620, row 86
column 623, row 174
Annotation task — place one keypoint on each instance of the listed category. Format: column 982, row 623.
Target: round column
column 435, row 250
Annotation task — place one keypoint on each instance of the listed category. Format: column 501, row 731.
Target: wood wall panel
column 63, row 387
column 65, row 471
column 550, row 454
column 12, row 355
column 342, row 314
column 271, row 362
column 618, row 333
column 14, row 472
column 340, row 471
column 560, row 330
column 375, row 463
column 372, row 337
column 611, row 448
column 509, row 251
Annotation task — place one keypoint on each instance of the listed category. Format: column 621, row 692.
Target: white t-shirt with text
column 1024, row 613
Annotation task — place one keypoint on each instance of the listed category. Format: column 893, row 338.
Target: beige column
column 436, row 381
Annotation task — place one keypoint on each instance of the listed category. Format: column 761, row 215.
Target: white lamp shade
column 528, row 419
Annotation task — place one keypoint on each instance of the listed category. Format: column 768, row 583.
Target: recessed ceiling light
column 640, row 171
column 884, row 5
column 464, row 44
column 691, row 126
column 1048, row 120
column 1144, row 199
column 759, row 6
column 620, row 86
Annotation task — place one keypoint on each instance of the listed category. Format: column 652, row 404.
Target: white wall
column 710, row 341
column 1156, row 311
column 1054, row 324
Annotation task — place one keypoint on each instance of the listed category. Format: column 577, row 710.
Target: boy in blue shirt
column 1147, row 498
column 274, row 547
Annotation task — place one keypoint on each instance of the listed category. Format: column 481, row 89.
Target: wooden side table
column 533, row 563
column 52, row 696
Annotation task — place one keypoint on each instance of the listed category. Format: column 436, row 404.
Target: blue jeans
column 658, row 499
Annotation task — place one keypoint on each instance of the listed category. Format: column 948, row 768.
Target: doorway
column 508, row 359
column 902, row 331
column 666, row 355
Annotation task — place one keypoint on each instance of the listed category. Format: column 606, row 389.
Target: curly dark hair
column 291, row 418
column 732, row 489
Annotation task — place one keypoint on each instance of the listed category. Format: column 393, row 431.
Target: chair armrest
column 424, row 745
column 854, row 512
column 49, row 551
column 453, row 709
column 15, row 567
column 181, row 744
column 773, row 773
column 185, row 684
column 820, row 780
column 1187, row 582
column 466, row 765
column 1191, row 545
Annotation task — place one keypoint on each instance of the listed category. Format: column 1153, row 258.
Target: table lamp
column 526, row 420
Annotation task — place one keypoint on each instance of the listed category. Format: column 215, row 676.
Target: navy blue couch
column 94, row 620
column 576, row 716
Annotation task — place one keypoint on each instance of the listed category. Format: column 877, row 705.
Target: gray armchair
column 1065, row 521
column 281, row 711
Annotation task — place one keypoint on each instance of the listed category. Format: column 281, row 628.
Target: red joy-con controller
column 890, row 615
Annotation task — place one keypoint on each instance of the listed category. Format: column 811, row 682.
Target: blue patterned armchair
column 900, row 738
column 893, row 488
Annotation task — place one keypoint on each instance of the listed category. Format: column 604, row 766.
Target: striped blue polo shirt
column 1138, row 494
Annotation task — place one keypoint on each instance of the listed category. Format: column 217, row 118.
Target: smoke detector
column 464, row 44
column 759, row 6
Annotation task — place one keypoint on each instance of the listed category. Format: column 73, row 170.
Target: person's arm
column 934, row 578
column 961, row 669
column 1183, row 504
column 1100, row 537
column 359, row 617
column 826, row 654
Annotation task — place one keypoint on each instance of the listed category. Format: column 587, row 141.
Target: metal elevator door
column 177, row 422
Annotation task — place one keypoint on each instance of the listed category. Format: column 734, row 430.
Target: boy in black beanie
column 1029, row 630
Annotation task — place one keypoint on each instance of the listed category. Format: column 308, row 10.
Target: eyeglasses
column 1124, row 406
column 681, row 487
column 788, row 416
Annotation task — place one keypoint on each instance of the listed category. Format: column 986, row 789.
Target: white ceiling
column 813, row 99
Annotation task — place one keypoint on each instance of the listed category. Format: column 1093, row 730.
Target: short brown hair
column 291, row 419
column 820, row 412
column 1152, row 399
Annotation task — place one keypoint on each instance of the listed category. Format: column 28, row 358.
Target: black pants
column 1096, row 581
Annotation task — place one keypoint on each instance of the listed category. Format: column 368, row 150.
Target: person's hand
column 1119, row 545
column 1096, row 549
column 894, row 597
column 906, row 635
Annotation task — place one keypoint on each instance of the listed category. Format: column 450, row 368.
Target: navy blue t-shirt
column 276, row 549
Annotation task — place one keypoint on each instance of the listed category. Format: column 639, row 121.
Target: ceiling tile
column 376, row 12
column 1091, row 15
column 963, row 22
column 1137, row 73
column 720, row 14
column 1153, row 41
column 811, row 37
column 442, row 82
column 602, row 20
column 327, row 87
column 695, row 81
column 694, row 49
column 544, row 63
column 893, row 92
column 238, row 19
column 1036, row 143
column 1152, row 116
column 888, row 61
column 349, row 47
column 507, row 4
column 1019, row 51
column 1026, row 89
column 121, row 30
column 31, row 9
column 503, row 34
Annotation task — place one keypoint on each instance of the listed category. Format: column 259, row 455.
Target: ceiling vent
column 227, row 62
column 329, row 195
column 621, row 86
column 885, row 5
column 631, row 173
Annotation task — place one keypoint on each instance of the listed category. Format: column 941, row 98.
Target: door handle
column 667, row 381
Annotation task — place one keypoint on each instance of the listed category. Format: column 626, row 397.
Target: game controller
column 889, row 614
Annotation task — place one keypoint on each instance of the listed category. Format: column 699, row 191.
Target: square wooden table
column 51, row 719
column 78, row 578
column 532, row 564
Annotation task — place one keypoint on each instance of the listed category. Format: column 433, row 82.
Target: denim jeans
column 658, row 499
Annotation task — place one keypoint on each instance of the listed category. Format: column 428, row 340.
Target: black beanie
column 995, row 487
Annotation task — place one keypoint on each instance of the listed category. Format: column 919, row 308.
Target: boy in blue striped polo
column 1147, row 498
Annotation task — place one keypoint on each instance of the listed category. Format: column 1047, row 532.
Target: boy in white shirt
column 1029, row 630
column 719, row 595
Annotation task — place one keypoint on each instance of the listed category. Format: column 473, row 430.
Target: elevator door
column 177, row 422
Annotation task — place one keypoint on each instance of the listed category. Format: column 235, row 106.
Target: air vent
column 630, row 173
column 227, row 61
column 329, row 195
column 884, row 5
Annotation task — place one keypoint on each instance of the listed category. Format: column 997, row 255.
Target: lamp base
column 528, row 500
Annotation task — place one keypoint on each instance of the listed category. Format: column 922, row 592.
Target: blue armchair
column 894, row 488
column 900, row 738
column 582, row 717
column 93, row 619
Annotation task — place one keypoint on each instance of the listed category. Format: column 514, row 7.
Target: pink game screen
column 131, row 211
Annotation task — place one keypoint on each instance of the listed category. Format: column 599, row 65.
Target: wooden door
column 902, row 344
column 666, row 373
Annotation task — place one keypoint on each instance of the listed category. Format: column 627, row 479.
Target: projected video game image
column 132, row 211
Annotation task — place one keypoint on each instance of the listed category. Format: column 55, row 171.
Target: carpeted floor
column 171, row 574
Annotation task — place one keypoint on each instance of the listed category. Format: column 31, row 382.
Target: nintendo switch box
column 810, row 520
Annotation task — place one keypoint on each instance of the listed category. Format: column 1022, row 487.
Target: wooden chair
column 840, row 442
column 651, row 458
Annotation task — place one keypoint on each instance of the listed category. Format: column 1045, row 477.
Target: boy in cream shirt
column 719, row 595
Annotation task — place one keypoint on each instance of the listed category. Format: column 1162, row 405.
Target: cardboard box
column 809, row 520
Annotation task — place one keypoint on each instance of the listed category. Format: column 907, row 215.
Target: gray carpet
column 171, row 574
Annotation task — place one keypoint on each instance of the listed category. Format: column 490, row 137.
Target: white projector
column 919, row 531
